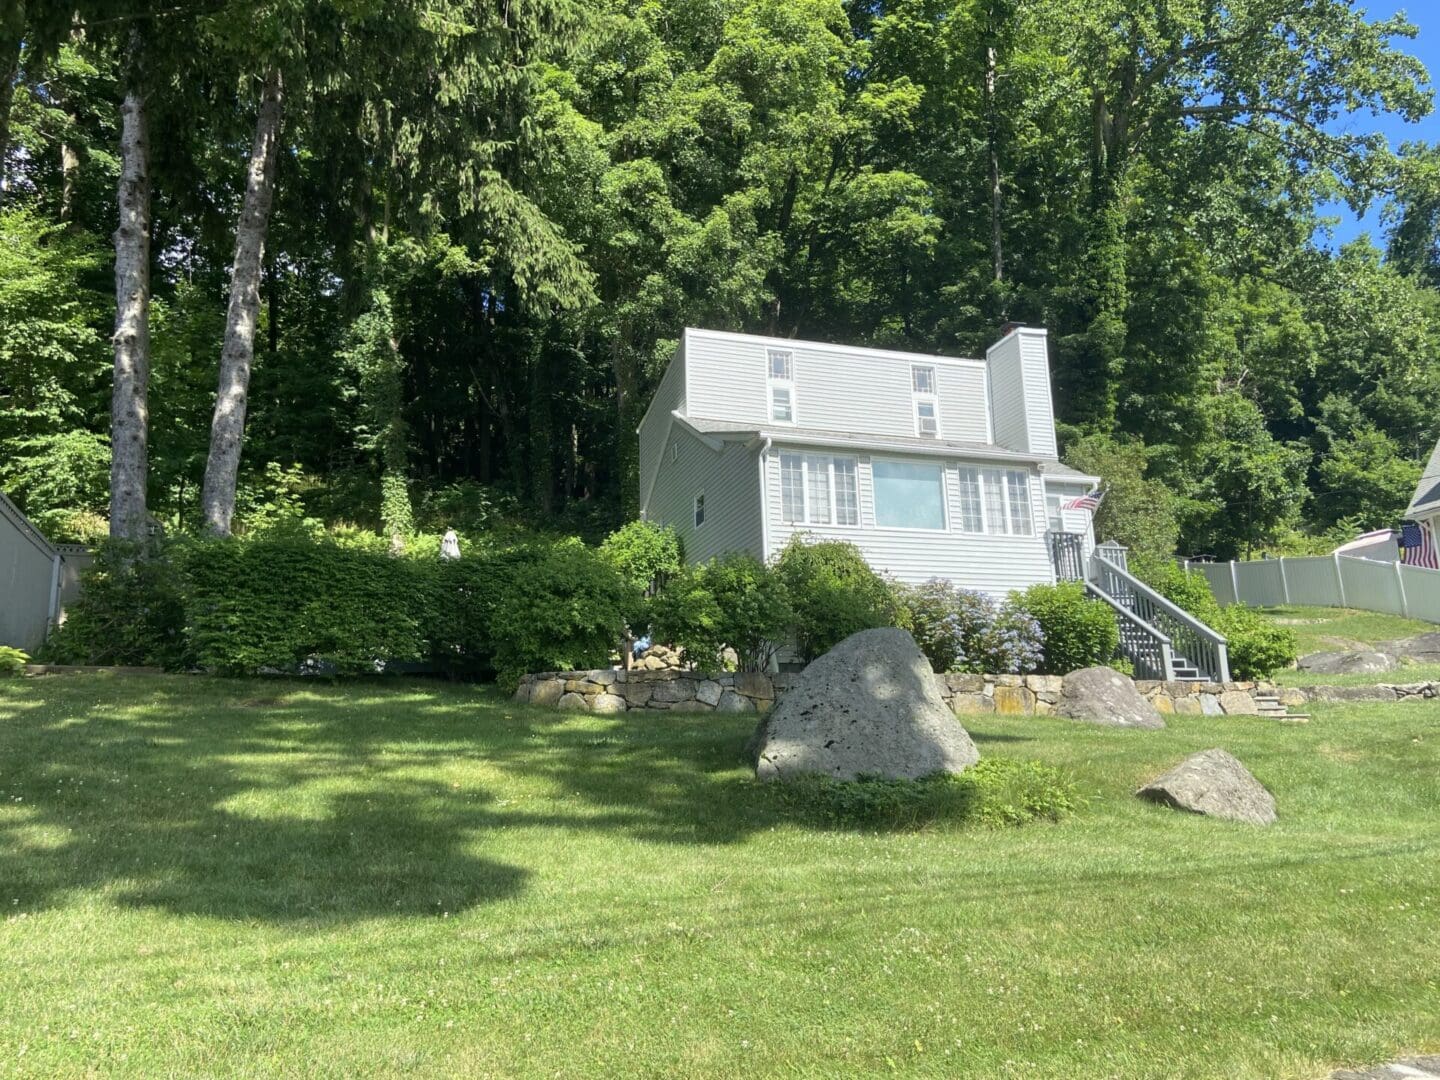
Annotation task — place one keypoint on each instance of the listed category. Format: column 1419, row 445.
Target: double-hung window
column 817, row 489
column 782, row 385
column 699, row 509
column 996, row 501
column 927, row 402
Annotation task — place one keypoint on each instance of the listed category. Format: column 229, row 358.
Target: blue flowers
column 964, row 630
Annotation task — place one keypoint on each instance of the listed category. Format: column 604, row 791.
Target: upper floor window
column 816, row 489
column 909, row 495
column 782, row 386
column 699, row 509
column 927, row 403
column 996, row 501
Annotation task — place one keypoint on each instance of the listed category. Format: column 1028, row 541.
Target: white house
column 1424, row 507
column 934, row 466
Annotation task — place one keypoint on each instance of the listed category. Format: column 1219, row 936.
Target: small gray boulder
column 1349, row 662
column 868, row 707
column 1101, row 695
column 1214, row 783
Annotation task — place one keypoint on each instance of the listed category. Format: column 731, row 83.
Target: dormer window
column 782, row 386
column 927, row 403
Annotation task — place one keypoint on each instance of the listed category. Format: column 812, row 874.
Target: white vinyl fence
column 1328, row 581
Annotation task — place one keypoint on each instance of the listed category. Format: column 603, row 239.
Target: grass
column 1324, row 629
column 286, row 879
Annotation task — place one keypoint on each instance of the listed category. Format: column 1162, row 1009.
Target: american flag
column 1417, row 545
column 1089, row 501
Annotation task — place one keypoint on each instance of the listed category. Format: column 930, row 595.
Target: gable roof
column 1427, row 492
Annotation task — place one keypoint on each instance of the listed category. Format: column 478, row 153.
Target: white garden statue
column 450, row 546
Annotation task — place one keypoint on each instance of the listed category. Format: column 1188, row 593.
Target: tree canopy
column 489, row 224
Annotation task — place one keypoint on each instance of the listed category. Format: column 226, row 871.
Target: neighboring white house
column 1424, row 507
column 934, row 466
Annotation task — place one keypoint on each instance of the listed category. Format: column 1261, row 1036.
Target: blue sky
column 1424, row 14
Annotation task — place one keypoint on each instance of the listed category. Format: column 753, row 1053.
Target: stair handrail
column 1216, row 641
column 1159, row 637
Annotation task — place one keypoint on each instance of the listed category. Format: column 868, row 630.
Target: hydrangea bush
column 965, row 630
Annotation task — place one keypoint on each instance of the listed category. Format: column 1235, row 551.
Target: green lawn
column 275, row 878
column 1324, row 629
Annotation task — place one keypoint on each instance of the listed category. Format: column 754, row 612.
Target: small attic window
column 675, row 451
column 699, row 509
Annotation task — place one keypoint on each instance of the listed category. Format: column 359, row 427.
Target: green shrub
column 964, row 630
column 646, row 555
column 995, row 792
column 564, row 612
column 734, row 602
column 12, row 661
column 131, row 611
column 465, row 597
column 1257, row 646
column 1079, row 630
column 278, row 600
column 833, row 593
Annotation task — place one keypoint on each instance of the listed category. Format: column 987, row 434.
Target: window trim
column 930, row 397
column 697, row 509
column 771, row 383
column 945, row 510
column 1005, row 504
column 806, row 457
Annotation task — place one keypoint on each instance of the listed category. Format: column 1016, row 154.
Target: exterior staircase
column 1161, row 640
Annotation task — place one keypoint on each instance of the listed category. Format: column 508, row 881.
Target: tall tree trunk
column 69, row 168
column 9, row 73
column 227, row 428
column 992, row 138
column 129, row 411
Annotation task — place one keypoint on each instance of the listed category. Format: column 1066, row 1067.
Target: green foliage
column 1365, row 479
column 12, row 661
column 833, row 593
column 1258, row 646
column 61, row 481
column 996, row 792
column 734, row 602
column 1079, row 631
column 964, row 630
column 278, row 601
column 566, row 611
column 131, row 611
column 645, row 554
column 1138, row 510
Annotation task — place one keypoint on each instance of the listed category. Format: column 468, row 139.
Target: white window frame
column 1006, row 510
column 808, row 464
column 1055, row 515
column 697, row 514
column 772, row 383
column 674, row 451
column 929, row 397
column 946, row 513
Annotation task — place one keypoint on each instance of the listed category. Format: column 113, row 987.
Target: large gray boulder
column 1214, row 783
column 1422, row 648
column 868, row 707
column 1347, row 662
column 1101, row 695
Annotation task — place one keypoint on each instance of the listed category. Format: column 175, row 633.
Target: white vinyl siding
column 657, row 426
column 1019, row 389
column 729, row 478
column 847, row 391
column 817, row 489
column 994, row 564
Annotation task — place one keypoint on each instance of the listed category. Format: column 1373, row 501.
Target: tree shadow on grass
column 182, row 804
column 330, row 803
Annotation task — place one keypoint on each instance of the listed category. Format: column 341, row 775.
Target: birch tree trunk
column 9, row 72
column 129, row 412
column 227, row 428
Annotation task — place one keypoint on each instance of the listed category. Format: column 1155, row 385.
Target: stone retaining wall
column 609, row 690
column 1415, row 691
